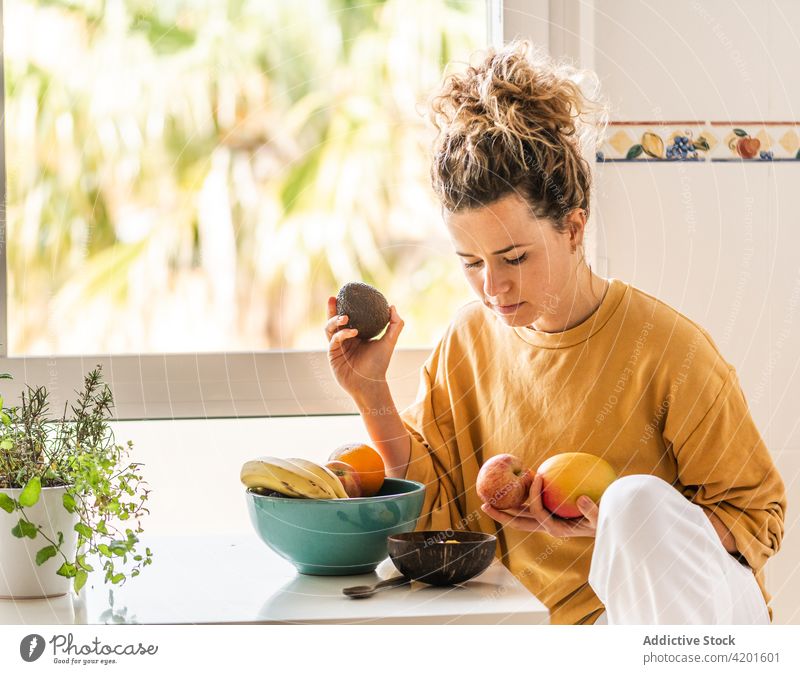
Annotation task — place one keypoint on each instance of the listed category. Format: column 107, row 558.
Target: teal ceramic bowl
column 336, row 537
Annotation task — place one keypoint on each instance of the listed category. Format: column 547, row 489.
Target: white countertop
column 238, row 579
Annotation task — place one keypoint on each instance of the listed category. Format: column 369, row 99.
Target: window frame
column 209, row 385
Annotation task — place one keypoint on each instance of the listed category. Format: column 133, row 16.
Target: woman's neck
column 579, row 303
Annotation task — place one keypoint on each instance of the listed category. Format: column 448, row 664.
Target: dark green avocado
column 367, row 308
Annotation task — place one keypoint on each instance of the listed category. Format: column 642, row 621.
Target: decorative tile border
column 700, row 141
column 761, row 141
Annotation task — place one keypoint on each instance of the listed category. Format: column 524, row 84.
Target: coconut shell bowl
column 442, row 557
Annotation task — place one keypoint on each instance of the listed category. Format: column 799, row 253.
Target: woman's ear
column 576, row 223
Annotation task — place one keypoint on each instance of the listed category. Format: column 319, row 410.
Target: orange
column 367, row 462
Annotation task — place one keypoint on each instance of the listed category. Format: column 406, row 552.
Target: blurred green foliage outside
column 200, row 175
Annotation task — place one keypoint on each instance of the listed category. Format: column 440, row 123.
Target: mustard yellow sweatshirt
column 637, row 383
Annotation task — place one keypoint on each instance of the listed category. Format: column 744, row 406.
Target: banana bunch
column 292, row 477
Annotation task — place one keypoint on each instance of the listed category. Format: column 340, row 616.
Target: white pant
column 658, row 561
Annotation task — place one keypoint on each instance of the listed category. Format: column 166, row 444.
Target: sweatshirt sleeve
column 434, row 452
column 725, row 466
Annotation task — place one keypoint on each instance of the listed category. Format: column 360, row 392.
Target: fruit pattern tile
column 700, row 141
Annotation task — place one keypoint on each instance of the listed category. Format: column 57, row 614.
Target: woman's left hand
column 534, row 517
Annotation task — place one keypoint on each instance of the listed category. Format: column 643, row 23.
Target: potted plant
column 69, row 493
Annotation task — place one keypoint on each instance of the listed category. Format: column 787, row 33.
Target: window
column 188, row 180
column 189, row 176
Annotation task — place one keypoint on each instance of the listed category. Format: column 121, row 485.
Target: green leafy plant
column 77, row 451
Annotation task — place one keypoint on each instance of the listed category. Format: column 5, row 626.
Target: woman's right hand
column 359, row 364
column 533, row 516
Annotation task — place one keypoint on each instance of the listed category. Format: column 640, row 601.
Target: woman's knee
column 636, row 497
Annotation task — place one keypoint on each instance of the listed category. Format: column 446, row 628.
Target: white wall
column 708, row 59
column 718, row 241
column 192, row 466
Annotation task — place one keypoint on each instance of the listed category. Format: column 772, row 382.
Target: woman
column 554, row 358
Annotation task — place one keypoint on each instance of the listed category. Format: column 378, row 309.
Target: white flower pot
column 20, row 577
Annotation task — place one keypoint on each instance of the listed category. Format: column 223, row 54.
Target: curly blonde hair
column 516, row 123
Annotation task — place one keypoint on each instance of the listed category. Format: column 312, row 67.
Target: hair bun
column 515, row 113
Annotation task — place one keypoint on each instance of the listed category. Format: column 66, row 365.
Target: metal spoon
column 364, row 591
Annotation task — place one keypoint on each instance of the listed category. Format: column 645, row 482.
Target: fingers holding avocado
column 366, row 308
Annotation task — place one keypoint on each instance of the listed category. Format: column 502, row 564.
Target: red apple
column 503, row 482
column 350, row 479
column 748, row 147
column 567, row 476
